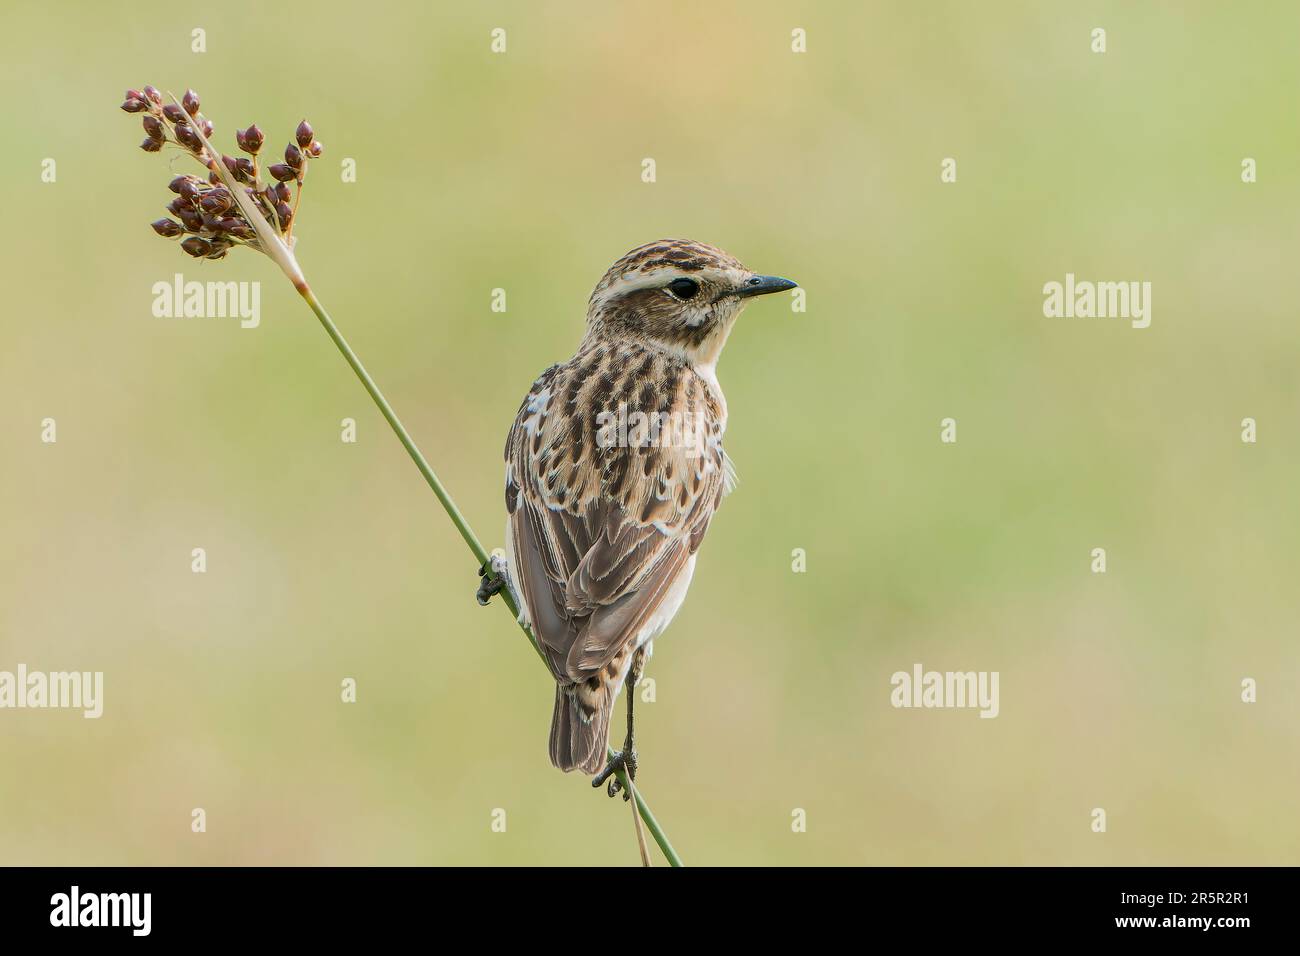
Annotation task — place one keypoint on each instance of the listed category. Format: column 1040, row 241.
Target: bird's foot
column 493, row 582
column 625, row 760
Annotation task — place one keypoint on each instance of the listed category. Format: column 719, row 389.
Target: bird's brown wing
column 600, row 533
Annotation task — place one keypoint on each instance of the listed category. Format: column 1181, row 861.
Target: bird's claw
column 492, row 582
column 488, row 586
column 625, row 760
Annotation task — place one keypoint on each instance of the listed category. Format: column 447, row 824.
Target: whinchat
column 614, row 468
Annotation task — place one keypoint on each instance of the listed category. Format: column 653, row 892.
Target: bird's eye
column 684, row 288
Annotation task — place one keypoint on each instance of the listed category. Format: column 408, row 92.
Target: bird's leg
column 493, row 582
column 624, row 759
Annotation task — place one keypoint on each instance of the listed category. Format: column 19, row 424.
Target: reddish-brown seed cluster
column 206, row 213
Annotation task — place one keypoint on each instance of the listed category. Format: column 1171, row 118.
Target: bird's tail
column 580, row 730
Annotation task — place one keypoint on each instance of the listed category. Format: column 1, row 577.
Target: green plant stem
column 648, row 818
column 466, row 532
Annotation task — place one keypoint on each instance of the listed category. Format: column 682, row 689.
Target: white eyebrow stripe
column 650, row 280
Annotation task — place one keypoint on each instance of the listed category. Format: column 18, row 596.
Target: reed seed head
column 236, row 203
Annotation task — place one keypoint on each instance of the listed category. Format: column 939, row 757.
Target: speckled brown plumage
column 604, row 523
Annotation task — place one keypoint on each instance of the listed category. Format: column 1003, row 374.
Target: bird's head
column 678, row 294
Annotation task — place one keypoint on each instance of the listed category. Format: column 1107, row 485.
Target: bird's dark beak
column 763, row 285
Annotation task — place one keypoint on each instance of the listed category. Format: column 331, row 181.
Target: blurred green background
column 522, row 171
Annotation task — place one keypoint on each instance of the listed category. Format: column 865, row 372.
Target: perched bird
column 614, row 468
